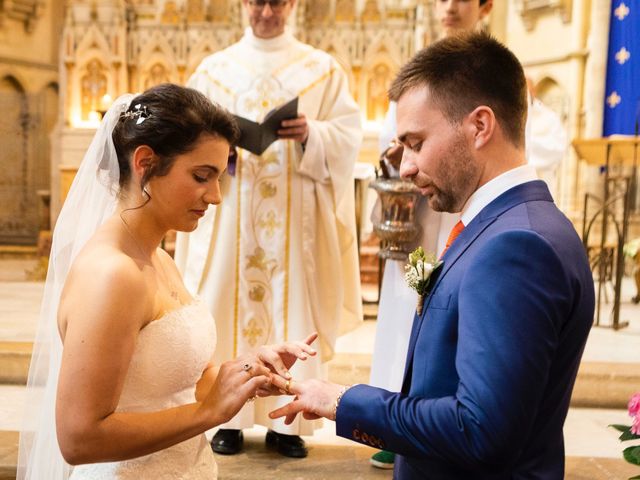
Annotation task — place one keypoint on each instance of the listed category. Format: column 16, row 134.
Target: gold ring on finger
column 287, row 386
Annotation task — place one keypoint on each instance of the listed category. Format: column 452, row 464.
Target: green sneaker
column 383, row 459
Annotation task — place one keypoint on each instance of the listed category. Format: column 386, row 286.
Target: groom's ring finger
column 287, row 387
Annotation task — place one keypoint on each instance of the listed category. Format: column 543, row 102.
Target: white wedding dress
column 169, row 358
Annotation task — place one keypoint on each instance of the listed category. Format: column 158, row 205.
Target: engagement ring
column 247, row 367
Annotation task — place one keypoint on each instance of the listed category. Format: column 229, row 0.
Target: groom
column 493, row 358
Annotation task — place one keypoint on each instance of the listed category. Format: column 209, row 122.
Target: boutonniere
column 418, row 273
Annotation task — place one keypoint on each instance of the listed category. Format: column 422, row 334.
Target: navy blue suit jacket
column 494, row 356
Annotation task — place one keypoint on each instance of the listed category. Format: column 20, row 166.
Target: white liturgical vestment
column 277, row 259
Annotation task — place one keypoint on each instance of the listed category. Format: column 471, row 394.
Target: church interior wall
column 29, row 45
column 100, row 49
column 552, row 42
column 30, row 32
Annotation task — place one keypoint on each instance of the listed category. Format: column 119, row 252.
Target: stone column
column 595, row 78
column 594, row 87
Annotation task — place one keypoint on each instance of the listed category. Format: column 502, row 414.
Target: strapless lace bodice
column 169, row 357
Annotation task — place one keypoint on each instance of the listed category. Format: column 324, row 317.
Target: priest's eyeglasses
column 276, row 5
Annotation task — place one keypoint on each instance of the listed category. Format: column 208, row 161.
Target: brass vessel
column 397, row 227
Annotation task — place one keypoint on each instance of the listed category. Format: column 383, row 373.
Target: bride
column 121, row 377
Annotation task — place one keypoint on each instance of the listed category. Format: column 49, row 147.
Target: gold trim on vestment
column 286, row 65
column 221, row 86
column 287, row 242
column 238, row 217
column 316, row 82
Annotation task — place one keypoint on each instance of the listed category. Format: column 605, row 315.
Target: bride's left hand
column 280, row 358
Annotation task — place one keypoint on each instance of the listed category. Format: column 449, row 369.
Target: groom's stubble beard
column 456, row 179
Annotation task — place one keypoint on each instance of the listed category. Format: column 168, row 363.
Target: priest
column 277, row 259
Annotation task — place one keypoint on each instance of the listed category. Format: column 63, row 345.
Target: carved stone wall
column 115, row 46
column 112, row 46
column 25, row 12
column 29, row 39
column 370, row 39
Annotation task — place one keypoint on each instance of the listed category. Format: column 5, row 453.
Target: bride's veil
column 91, row 200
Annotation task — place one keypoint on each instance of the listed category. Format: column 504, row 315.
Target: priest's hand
column 295, row 129
column 313, row 398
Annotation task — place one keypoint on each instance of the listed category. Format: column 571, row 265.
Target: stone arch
column 16, row 79
column 155, row 72
column 91, row 58
column 157, row 43
column 157, row 52
column 553, row 95
column 384, row 48
column 205, row 46
column 93, row 82
column 378, row 80
column 92, row 43
column 379, row 69
column 337, row 51
column 18, row 222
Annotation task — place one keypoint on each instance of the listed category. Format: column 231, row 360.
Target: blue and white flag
column 622, row 94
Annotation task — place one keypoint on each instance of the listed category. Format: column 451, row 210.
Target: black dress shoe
column 288, row 445
column 227, row 442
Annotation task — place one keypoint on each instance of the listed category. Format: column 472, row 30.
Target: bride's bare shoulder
column 103, row 269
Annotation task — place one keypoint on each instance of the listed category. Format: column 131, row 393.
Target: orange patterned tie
column 455, row 231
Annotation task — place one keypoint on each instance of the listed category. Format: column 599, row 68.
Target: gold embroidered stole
column 263, row 202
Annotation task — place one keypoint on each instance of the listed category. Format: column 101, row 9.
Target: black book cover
column 256, row 137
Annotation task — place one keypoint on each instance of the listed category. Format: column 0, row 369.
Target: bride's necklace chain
column 172, row 289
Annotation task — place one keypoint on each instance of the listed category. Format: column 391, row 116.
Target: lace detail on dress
column 169, row 357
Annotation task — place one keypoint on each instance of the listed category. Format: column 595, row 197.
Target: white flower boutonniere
column 418, row 273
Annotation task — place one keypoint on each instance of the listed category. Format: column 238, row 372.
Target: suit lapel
column 530, row 191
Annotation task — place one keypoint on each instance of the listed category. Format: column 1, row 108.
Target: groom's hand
column 313, row 398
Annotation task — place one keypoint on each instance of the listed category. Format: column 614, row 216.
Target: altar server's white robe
column 277, row 260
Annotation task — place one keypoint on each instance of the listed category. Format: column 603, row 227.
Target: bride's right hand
column 237, row 382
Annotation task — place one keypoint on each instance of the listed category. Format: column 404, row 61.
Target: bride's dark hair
column 171, row 120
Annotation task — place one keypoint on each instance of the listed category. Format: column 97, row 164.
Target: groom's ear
column 143, row 159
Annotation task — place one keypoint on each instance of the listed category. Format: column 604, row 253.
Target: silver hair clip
column 140, row 112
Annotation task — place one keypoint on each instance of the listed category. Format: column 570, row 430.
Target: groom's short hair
column 465, row 71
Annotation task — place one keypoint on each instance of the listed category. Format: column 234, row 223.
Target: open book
column 256, row 137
